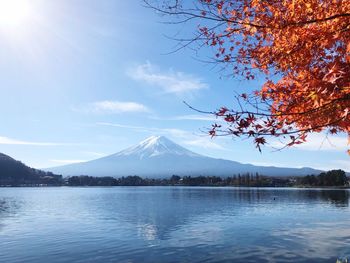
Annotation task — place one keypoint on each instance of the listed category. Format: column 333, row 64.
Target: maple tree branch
column 246, row 112
column 318, row 20
column 277, row 134
column 221, row 18
column 305, row 45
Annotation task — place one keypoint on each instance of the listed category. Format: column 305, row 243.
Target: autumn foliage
column 302, row 47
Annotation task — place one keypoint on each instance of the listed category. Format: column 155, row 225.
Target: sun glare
column 13, row 13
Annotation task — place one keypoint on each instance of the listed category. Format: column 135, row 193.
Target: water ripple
column 173, row 224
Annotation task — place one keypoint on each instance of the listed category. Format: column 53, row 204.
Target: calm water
column 173, row 224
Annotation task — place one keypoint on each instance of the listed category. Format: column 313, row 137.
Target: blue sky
column 81, row 79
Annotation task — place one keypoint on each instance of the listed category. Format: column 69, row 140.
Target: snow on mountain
column 159, row 157
column 156, row 146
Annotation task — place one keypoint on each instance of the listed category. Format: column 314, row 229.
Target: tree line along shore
column 333, row 178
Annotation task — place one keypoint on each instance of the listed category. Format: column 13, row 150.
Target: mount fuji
column 159, row 157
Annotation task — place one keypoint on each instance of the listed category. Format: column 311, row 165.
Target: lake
column 173, row 224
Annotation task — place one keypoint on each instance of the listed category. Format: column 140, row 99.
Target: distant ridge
column 14, row 173
column 159, row 157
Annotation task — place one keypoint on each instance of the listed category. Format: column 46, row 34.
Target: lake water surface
column 173, row 224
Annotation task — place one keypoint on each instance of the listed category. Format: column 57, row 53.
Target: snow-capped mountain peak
column 155, row 146
column 158, row 157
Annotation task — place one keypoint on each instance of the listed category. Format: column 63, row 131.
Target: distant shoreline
column 335, row 179
column 198, row 186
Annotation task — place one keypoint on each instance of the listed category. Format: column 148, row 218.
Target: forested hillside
column 15, row 173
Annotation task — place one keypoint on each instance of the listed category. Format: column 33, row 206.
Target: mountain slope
column 158, row 157
column 14, row 173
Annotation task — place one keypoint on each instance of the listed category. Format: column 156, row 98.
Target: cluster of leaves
column 303, row 49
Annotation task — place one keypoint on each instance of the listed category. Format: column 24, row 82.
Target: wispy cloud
column 121, row 125
column 203, row 142
column 67, row 161
column 94, row 154
column 11, row 141
column 112, row 107
column 170, row 81
column 161, row 131
column 108, row 106
column 195, row 118
column 191, row 117
column 319, row 142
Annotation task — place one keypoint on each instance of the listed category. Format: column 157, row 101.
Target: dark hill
column 15, row 173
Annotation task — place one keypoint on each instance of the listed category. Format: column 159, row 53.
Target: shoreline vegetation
column 14, row 173
column 330, row 179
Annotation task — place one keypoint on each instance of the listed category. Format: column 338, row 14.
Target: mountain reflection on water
column 172, row 224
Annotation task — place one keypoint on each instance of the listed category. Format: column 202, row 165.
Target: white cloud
column 108, row 106
column 170, row 82
column 204, row 142
column 122, row 126
column 67, row 161
column 10, row 141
